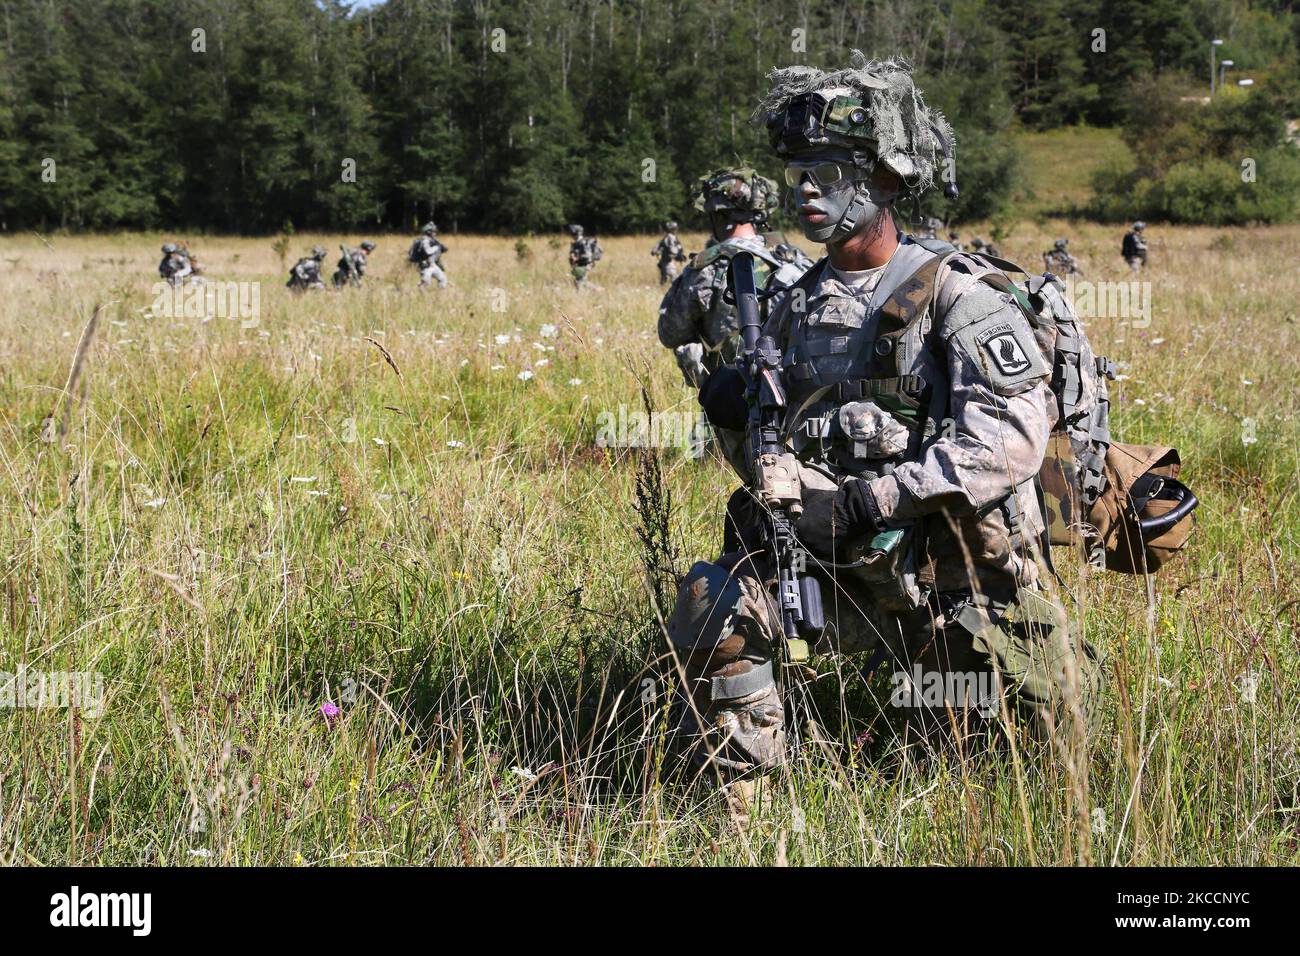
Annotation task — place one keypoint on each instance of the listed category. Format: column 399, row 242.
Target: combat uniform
column 175, row 266
column 305, row 273
column 919, row 387
column 584, row 253
column 352, row 265
column 426, row 255
column 1134, row 247
column 669, row 251
column 1058, row 260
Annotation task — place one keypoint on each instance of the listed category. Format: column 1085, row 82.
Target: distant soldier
column 584, row 253
column 982, row 248
column 954, row 238
column 352, row 264
column 670, row 252
column 930, row 230
column 426, row 255
column 1058, row 261
column 1134, row 249
column 176, row 265
column 305, row 273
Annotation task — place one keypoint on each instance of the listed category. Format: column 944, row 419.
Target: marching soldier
column 352, row 264
column 669, row 252
column 305, row 273
column 426, row 255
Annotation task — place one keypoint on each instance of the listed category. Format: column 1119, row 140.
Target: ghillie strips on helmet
column 870, row 114
column 739, row 193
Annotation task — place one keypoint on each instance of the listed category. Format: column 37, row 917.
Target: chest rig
column 865, row 388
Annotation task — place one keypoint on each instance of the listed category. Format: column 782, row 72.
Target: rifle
column 776, row 484
column 353, row 275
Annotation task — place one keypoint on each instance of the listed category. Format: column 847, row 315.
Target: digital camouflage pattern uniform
column 426, row 255
column 695, row 322
column 175, row 266
column 305, row 273
column 669, row 251
column 1058, row 261
column 926, row 383
column 352, row 265
column 584, row 253
column 1134, row 247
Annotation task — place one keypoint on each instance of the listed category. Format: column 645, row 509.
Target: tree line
column 519, row 115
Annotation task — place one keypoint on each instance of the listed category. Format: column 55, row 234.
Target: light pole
column 1213, row 44
column 1223, row 68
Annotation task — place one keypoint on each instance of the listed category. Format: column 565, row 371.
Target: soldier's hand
column 723, row 399
column 832, row 520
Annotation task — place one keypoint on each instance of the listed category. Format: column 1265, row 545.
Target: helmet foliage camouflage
column 871, row 109
column 738, row 190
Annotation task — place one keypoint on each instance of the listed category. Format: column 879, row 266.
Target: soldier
column 1058, row 260
column 426, row 255
column 954, row 239
column 305, row 273
column 352, row 264
column 584, row 253
column 1134, row 248
column 694, row 319
column 176, row 265
column 919, row 411
column 931, row 229
column 670, row 252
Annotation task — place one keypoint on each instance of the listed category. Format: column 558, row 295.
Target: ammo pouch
column 1144, row 517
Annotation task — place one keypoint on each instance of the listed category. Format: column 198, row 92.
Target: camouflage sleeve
column 682, row 307
column 999, row 406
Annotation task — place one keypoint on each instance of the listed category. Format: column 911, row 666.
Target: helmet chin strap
column 852, row 217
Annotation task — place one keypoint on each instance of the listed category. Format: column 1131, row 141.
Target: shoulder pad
column 937, row 246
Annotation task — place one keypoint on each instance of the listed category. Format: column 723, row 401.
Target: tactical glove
column 723, row 399
column 831, row 520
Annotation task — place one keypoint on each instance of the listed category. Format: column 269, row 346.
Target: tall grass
column 237, row 522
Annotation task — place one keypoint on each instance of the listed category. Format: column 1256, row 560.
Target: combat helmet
column 317, row 252
column 977, row 243
column 429, row 227
column 1139, row 226
column 575, row 230
column 1060, row 244
column 169, row 248
column 872, row 111
column 367, row 245
column 738, row 192
column 670, row 226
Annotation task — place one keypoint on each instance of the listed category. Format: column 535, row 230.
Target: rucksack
column 417, row 253
column 1123, row 505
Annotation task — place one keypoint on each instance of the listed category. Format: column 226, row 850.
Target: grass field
column 363, row 500
column 1059, row 165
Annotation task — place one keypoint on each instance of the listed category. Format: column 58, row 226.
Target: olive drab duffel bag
column 1122, row 504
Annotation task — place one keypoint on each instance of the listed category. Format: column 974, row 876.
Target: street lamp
column 1213, row 44
column 1223, row 68
column 1246, row 82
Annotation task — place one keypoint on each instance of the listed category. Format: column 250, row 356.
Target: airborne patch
column 1006, row 352
column 1002, row 346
